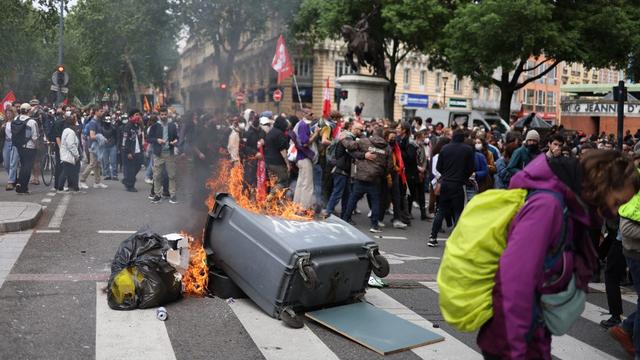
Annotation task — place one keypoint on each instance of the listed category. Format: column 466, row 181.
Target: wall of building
column 597, row 124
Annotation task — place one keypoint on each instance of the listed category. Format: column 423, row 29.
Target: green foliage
column 491, row 40
column 231, row 26
column 119, row 41
column 26, row 44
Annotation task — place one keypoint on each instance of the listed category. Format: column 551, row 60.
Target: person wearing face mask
column 92, row 130
column 110, row 150
column 132, row 150
column 252, row 139
column 233, row 144
column 567, row 202
column 525, row 154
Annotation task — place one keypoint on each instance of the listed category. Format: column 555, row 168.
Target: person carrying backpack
column 24, row 134
column 541, row 275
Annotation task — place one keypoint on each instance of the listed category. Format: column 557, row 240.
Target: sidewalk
column 18, row 216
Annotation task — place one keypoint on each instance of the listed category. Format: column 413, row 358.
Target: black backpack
column 19, row 132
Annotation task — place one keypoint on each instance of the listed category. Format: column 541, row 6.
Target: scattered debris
column 161, row 314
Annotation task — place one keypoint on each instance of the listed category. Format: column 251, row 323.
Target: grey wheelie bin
column 288, row 266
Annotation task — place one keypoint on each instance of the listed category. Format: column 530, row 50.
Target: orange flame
column 230, row 179
column 196, row 278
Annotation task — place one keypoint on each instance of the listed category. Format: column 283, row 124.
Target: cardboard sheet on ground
column 374, row 328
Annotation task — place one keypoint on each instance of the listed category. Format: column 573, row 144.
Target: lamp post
column 444, row 96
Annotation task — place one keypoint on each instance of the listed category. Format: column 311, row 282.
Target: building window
column 540, row 70
column 496, row 93
column 485, row 93
column 551, row 102
column 342, row 68
column 423, row 78
column 438, row 81
column 529, row 98
column 540, row 101
column 303, row 68
column 551, row 76
column 406, row 78
column 457, row 87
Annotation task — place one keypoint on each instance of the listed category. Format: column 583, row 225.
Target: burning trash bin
column 289, row 266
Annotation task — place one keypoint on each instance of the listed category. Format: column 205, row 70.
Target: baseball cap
column 25, row 107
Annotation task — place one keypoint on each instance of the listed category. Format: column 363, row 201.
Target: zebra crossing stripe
column 562, row 347
column 277, row 341
column 450, row 348
column 129, row 334
column 626, row 297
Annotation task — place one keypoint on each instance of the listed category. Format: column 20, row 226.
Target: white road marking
column 450, row 348
column 562, row 347
column 133, row 334
column 11, row 245
column 56, row 219
column 51, row 194
column 47, row 231
column 116, row 232
column 46, row 200
column 277, row 341
column 395, row 258
column 626, row 297
column 390, row 237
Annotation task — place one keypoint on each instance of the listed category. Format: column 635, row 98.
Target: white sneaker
column 369, row 214
column 83, row 185
column 397, row 224
column 100, row 186
column 415, row 205
column 381, row 224
column 148, row 181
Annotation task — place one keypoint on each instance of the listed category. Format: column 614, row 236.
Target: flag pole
column 297, row 90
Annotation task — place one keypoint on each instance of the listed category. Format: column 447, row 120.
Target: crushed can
column 161, row 313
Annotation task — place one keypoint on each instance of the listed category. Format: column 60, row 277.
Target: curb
column 26, row 219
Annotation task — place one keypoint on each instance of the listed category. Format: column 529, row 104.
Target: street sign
column 277, row 95
column 239, row 97
column 54, row 79
column 64, row 89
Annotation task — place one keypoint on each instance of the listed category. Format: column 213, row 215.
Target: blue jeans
column 360, row 188
column 340, row 193
column 11, row 160
column 110, row 161
column 632, row 324
column 149, row 172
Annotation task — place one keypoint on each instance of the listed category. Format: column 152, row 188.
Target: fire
column 230, row 179
column 196, row 278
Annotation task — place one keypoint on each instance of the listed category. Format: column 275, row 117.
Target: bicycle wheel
column 47, row 169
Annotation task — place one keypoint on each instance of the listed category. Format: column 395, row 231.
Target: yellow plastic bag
column 123, row 287
column 467, row 272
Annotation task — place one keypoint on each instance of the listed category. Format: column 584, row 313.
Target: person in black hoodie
column 109, row 160
column 132, row 150
column 275, row 152
column 456, row 164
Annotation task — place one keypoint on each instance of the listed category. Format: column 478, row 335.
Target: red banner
column 281, row 62
column 261, row 194
column 8, row 100
column 326, row 103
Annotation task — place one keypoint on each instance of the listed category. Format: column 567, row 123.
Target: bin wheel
column 310, row 277
column 291, row 319
column 381, row 266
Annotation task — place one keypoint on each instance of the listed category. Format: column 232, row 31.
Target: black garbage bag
column 141, row 277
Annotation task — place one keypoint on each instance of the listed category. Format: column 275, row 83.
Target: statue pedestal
column 363, row 88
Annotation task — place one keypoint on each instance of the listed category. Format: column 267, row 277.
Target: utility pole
column 620, row 96
column 61, row 49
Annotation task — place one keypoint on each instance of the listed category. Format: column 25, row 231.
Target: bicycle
column 48, row 164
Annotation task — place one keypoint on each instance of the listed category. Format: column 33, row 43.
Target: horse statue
column 367, row 51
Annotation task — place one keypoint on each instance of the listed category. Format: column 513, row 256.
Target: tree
column 231, row 26
column 124, row 43
column 403, row 26
column 491, row 41
column 29, row 37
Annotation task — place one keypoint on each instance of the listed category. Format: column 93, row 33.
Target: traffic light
column 344, row 94
column 60, row 76
column 223, row 86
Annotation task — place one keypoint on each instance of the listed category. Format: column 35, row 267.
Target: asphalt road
column 51, row 306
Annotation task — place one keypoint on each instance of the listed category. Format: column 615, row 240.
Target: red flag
column 8, row 100
column 281, row 62
column 261, row 176
column 65, row 102
column 326, row 103
column 337, row 129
